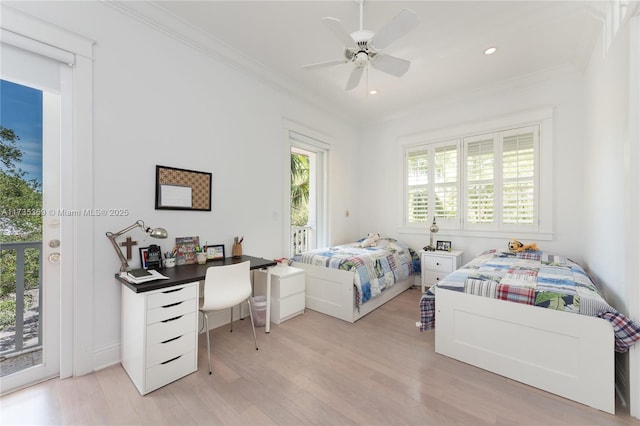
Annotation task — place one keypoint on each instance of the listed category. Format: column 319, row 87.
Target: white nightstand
column 436, row 265
column 287, row 291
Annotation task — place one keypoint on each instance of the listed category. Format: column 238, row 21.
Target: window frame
column 542, row 228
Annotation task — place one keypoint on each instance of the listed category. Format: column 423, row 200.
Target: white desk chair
column 224, row 287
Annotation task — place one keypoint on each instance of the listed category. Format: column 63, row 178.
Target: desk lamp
column 155, row 233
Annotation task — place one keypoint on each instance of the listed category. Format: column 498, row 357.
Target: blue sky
column 21, row 111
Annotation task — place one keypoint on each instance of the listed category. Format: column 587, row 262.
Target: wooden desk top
column 195, row 272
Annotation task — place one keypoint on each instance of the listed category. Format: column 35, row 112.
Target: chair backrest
column 226, row 286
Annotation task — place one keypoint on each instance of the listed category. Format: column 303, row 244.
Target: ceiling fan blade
column 354, row 78
column 324, row 64
column 400, row 25
column 390, row 64
column 338, row 30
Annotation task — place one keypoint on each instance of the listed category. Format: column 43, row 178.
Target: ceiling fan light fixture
column 490, row 50
column 363, row 47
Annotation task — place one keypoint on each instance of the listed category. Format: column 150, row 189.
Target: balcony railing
column 26, row 333
column 301, row 239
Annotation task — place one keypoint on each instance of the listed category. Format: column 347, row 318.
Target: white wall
column 380, row 150
column 611, row 162
column 160, row 102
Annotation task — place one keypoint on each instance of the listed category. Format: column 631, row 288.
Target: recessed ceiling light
column 490, row 50
column 373, row 92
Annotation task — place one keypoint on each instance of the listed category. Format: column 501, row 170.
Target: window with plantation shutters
column 432, row 183
column 478, row 183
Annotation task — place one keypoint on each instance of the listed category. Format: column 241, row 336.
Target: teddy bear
column 517, row 246
column 370, row 241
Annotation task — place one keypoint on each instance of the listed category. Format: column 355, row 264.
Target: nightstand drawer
column 284, row 308
column 433, row 278
column 173, row 310
column 168, row 297
column 439, row 264
column 289, row 285
column 161, row 331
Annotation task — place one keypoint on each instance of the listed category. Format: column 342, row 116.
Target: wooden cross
column 128, row 244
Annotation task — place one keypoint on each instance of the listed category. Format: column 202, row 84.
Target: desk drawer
column 173, row 369
column 161, row 352
column 439, row 264
column 161, row 331
column 173, row 310
column 172, row 295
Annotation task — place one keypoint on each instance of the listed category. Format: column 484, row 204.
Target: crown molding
column 155, row 16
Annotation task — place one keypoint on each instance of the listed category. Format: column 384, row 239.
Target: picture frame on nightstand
column 443, row 245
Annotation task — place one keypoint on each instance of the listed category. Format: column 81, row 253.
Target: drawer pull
column 438, row 263
column 172, row 291
column 437, row 278
column 172, row 319
column 171, row 340
column 171, row 360
column 171, row 305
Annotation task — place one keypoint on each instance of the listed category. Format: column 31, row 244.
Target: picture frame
column 215, row 252
column 443, row 245
column 144, row 257
column 182, row 189
column 186, row 250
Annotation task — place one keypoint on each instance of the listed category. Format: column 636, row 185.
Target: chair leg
column 255, row 341
column 231, row 321
column 206, row 326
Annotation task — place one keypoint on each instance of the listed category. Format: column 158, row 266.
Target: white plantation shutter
column 432, row 183
column 445, row 169
column 518, row 177
column 480, row 168
column 417, row 186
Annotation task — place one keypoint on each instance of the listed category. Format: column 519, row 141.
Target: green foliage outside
column 299, row 189
column 19, row 198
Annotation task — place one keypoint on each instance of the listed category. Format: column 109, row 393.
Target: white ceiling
column 276, row 38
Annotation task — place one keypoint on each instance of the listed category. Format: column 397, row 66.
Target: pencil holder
column 236, row 250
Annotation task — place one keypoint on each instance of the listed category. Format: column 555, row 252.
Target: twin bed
column 552, row 349
column 566, row 349
column 349, row 281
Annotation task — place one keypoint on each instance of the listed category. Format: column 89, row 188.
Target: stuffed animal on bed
column 517, row 246
column 370, row 241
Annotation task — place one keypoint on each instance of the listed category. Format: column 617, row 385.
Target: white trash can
column 259, row 310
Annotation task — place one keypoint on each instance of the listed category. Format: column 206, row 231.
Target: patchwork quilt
column 534, row 278
column 376, row 268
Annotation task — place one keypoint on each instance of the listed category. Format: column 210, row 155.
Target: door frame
column 320, row 144
column 76, row 158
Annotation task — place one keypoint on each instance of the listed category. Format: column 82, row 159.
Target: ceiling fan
column 364, row 47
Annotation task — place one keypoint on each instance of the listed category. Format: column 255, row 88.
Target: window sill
column 540, row 236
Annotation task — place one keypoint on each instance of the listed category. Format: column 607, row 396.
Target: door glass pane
column 21, row 112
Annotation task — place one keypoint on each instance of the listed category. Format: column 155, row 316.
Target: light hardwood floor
column 312, row 369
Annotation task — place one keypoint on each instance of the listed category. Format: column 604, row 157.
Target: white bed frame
column 331, row 292
column 566, row 354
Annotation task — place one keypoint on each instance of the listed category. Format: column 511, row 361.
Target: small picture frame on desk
column 144, row 257
column 443, row 245
column 215, row 252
